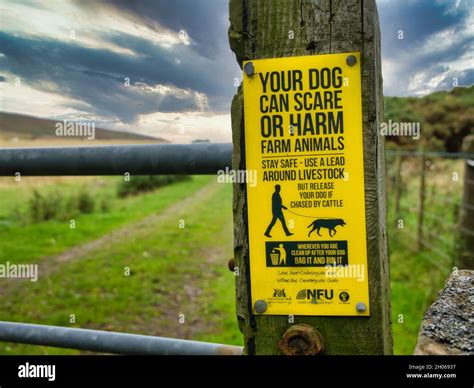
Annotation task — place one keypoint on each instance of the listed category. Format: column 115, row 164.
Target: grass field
column 175, row 272
column 54, row 236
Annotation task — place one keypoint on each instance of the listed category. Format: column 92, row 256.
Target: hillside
column 21, row 127
column 445, row 117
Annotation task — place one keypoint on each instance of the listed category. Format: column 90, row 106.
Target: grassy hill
column 16, row 126
column 446, row 117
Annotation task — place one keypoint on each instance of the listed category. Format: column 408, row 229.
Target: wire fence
column 426, row 196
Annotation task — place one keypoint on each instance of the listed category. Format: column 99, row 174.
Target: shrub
column 46, row 207
column 105, row 205
column 85, row 202
column 54, row 206
column 145, row 183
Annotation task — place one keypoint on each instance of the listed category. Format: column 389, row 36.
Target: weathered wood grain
column 260, row 29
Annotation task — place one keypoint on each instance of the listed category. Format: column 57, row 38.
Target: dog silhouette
column 328, row 223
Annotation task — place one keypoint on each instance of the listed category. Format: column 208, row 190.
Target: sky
column 164, row 68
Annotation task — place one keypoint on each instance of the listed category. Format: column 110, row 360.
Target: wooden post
column 421, row 201
column 272, row 29
column 398, row 185
column 466, row 257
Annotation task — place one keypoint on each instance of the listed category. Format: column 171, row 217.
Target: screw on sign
column 260, row 306
column 248, row 68
column 351, row 60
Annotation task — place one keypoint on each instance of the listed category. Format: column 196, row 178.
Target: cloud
column 183, row 128
column 128, row 59
column 139, row 64
column 435, row 52
column 98, row 76
column 204, row 22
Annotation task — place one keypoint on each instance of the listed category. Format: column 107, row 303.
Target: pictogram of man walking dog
column 316, row 225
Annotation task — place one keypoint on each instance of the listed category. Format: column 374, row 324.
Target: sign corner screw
column 260, row 306
column 351, row 60
column 361, row 307
column 249, row 69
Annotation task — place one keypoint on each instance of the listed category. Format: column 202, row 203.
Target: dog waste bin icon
column 278, row 255
column 274, row 258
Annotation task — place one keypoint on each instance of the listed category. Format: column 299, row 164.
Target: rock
column 448, row 325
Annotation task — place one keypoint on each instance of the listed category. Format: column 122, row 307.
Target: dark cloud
column 205, row 21
column 423, row 22
column 417, row 19
column 96, row 76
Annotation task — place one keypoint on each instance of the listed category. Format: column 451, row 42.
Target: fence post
column 271, row 29
column 421, row 200
column 398, row 184
column 466, row 257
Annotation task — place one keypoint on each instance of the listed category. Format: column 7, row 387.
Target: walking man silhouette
column 277, row 211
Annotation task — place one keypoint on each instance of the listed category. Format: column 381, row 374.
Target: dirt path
column 190, row 301
column 194, row 293
column 51, row 264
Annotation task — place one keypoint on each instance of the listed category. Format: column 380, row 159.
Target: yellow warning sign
column 306, row 211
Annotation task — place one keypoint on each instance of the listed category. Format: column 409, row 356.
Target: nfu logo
column 315, row 295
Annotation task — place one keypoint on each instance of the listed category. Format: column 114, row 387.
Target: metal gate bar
column 108, row 342
column 149, row 159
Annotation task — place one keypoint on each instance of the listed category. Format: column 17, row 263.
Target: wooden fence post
column 466, row 257
column 421, row 200
column 398, row 185
column 272, row 29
